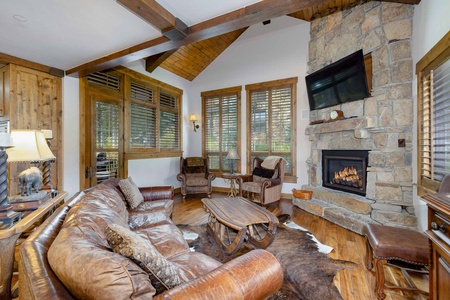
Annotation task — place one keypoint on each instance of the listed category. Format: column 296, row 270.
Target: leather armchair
column 266, row 183
column 194, row 176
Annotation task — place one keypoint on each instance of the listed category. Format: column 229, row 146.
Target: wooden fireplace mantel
column 359, row 125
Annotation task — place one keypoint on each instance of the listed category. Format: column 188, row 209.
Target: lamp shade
column 29, row 146
column 232, row 154
column 192, row 118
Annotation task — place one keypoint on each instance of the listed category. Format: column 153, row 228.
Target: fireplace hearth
column 345, row 170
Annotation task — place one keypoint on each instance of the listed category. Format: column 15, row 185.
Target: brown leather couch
column 68, row 256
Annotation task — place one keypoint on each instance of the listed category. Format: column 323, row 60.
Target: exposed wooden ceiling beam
column 6, row 59
column 241, row 18
column 151, row 12
column 154, row 14
column 152, row 62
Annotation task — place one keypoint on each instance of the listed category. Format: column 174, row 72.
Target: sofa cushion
column 194, row 180
column 93, row 271
column 131, row 192
column 163, row 274
column 155, row 205
column 166, row 237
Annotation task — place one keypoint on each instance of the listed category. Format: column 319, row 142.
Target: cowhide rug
column 308, row 274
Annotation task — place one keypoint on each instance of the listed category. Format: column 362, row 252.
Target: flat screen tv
column 340, row 82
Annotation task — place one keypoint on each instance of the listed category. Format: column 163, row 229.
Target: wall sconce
column 193, row 118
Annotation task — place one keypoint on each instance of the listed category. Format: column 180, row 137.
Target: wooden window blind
column 104, row 79
column 433, row 75
column 271, row 122
column 221, row 130
column 142, row 117
column 169, row 124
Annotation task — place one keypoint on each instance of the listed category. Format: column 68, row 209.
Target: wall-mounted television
column 340, row 82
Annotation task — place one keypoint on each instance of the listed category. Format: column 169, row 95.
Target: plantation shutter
column 425, row 135
column 212, row 132
column 143, row 117
column 104, row 79
column 441, row 121
column 271, row 121
column 169, row 122
column 220, row 112
column 433, row 117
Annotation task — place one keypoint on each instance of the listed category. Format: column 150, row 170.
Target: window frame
column 236, row 90
column 122, row 94
column 430, row 61
column 268, row 85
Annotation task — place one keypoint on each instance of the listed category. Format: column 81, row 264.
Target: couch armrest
column 157, row 193
column 254, row 275
column 244, row 178
column 270, row 182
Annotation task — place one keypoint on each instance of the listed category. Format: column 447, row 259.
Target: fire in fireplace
column 345, row 170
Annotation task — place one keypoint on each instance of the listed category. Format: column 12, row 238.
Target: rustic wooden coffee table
column 234, row 219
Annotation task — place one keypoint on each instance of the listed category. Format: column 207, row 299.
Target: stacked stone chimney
column 382, row 123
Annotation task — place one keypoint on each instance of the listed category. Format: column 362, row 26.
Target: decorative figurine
column 30, row 178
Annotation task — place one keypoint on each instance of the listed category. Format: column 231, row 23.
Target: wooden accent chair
column 195, row 176
column 266, row 183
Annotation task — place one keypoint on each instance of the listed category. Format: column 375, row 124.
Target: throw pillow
column 263, row 172
column 162, row 273
column 131, row 192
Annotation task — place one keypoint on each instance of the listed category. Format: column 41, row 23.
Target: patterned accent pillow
column 162, row 273
column 131, row 192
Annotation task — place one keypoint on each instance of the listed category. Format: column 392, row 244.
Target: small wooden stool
column 387, row 245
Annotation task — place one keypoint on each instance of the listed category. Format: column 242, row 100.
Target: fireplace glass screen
column 345, row 170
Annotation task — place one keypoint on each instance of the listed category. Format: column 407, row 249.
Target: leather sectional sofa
column 68, row 256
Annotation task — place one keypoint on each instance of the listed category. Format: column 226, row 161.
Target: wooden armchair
column 264, row 182
column 195, row 176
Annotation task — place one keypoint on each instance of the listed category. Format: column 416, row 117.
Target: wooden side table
column 232, row 179
column 8, row 239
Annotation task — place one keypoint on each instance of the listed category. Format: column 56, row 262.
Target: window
column 221, row 130
column 154, row 118
column 271, row 122
column 136, row 117
column 433, row 76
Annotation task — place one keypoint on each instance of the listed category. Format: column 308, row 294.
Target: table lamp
column 232, row 156
column 29, row 146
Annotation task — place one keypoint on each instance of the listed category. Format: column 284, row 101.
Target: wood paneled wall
column 33, row 100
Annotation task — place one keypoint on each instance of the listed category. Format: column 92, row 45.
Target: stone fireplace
column 380, row 124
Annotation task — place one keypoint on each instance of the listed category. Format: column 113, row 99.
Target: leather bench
column 398, row 247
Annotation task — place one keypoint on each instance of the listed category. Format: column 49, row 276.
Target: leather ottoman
column 403, row 248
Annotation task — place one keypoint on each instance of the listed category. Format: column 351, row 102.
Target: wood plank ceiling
column 190, row 60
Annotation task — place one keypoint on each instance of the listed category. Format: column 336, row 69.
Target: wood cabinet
column 31, row 99
column 439, row 239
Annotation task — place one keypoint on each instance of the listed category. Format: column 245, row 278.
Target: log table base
column 235, row 219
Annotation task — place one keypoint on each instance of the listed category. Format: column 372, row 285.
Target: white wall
column 430, row 23
column 262, row 53
column 71, row 135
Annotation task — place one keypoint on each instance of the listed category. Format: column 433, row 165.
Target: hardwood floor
column 354, row 284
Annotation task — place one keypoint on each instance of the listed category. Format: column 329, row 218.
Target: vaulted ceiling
column 80, row 37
